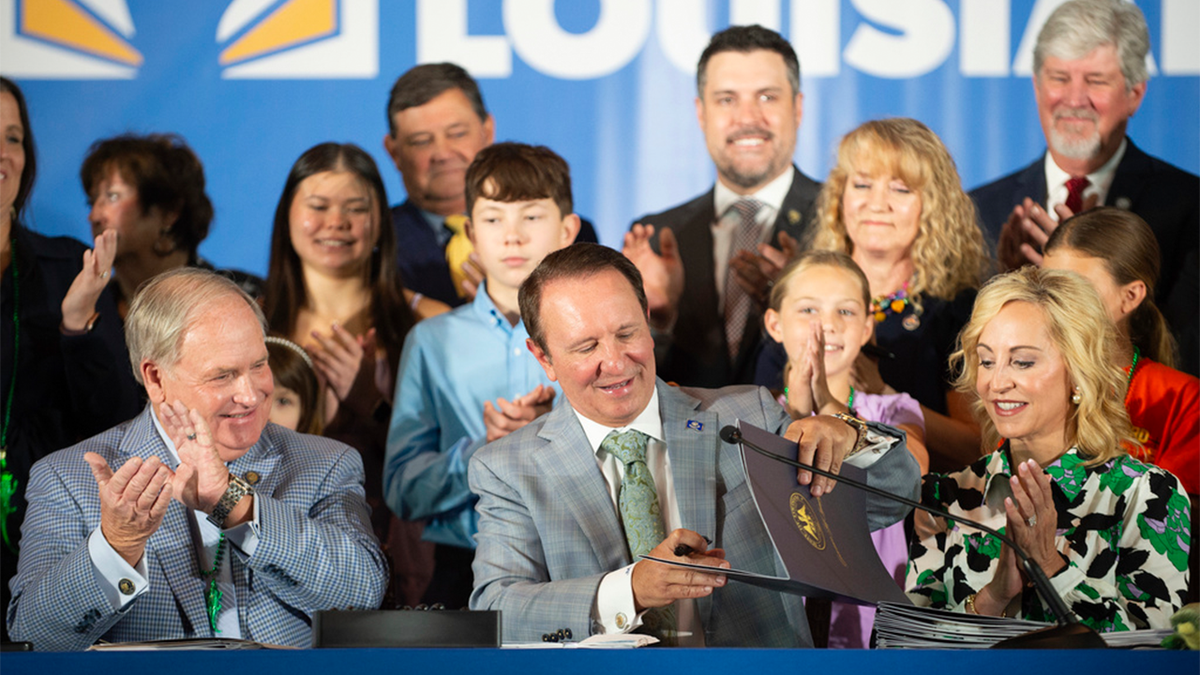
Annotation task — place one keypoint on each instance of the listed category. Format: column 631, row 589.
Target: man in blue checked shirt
column 197, row 518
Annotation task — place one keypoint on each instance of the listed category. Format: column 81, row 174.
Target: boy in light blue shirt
column 466, row 377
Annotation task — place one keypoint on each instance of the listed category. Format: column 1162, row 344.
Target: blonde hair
column 949, row 253
column 811, row 259
column 807, row 261
column 1085, row 337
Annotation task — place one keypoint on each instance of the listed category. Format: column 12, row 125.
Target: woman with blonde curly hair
column 1109, row 531
column 895, row 204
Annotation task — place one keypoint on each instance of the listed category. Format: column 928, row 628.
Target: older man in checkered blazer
column 197, row 518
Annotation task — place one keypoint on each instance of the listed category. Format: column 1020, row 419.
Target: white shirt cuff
column 245, row 536
column 877, row 446
column 119, row 581
column 615, row 611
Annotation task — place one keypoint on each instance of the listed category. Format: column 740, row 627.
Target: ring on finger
column 191, row 437
column 1031, row 520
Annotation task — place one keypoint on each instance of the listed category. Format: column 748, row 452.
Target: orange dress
column 1164, row 406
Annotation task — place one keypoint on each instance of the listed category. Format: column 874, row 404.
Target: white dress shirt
column 614, row 610
column 771, row 195
column 110, row 568
column 1098, row 182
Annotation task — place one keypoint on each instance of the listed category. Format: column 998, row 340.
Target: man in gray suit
column 196, row 518
column 559, row 534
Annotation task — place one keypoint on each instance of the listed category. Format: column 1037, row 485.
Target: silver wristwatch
column 237, row 489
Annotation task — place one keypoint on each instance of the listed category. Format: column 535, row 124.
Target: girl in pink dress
column 819, row 311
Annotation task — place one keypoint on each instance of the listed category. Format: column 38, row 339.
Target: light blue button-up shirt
column 450, row 365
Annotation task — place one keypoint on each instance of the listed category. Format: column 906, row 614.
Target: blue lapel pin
column 695, row 425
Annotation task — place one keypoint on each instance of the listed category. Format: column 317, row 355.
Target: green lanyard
column 9, row 482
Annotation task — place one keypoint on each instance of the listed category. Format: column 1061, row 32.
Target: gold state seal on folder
column 806, row 521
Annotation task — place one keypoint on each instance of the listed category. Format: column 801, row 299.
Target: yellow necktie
column 458, row 249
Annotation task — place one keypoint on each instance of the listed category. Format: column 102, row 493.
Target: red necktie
column 1075, row 188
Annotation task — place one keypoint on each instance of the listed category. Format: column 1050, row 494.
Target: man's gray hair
column 1080, row 26
column 164, row 307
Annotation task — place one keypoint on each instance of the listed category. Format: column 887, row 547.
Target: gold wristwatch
column 860, row 427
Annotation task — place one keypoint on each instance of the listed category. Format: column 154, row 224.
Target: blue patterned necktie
column 641, row 514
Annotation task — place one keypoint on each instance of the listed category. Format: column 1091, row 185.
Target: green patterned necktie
column 640, row 514
column 638, row 500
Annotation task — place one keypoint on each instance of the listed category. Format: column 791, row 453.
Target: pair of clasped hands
column 135, row 497
column 822, row 442
column 1032, row 522
column 1027, row 230
column 663, row 274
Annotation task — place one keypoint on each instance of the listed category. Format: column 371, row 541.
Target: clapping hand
column 133, row 501
column 347, row 364
column 1027, row 230
column 201, row 477
column 505, row 417
column 662, row 274
column 79, row 304
column 756, row 274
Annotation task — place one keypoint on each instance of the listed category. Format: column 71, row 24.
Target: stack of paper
column 909, row 627
column 900, row 626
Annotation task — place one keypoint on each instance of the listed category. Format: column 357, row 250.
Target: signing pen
column 682, row 550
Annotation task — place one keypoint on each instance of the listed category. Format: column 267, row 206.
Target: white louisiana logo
column 269, row 39
column 64, row 39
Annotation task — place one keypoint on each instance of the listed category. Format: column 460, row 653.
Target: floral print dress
column 1123, row 528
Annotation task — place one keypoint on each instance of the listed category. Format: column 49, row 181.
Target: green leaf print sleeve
column 1135, row 571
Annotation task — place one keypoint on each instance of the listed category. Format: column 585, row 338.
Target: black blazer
column 422, row 261
column 695, row 354
column 1165, row 196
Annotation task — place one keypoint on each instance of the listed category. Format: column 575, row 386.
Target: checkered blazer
column 548, row 531
column 315, row 549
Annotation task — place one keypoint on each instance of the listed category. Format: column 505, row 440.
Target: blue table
column 603, row 662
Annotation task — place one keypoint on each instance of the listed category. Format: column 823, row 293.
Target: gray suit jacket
column 315, row 547
column 548, row 530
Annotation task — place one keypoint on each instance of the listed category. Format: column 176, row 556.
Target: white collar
column 649, row 422
column 1100, row 178
column 772, row 194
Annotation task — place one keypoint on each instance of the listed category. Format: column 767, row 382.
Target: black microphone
column 1068, row 634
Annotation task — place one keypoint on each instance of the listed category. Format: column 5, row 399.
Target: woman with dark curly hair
column 150, row 191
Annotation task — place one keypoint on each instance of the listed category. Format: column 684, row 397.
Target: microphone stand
column 1068, row 634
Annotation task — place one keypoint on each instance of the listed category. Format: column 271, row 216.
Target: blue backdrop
column 609, row 84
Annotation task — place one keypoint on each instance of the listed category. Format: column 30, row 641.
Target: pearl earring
column 1076, row 398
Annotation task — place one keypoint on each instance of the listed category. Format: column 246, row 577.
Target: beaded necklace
column 9, row 482
column 212, row 594
column 1137, row 353
column 849, row 401
column 893, row 303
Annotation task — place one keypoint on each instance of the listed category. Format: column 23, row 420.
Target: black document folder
column 823, row 542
